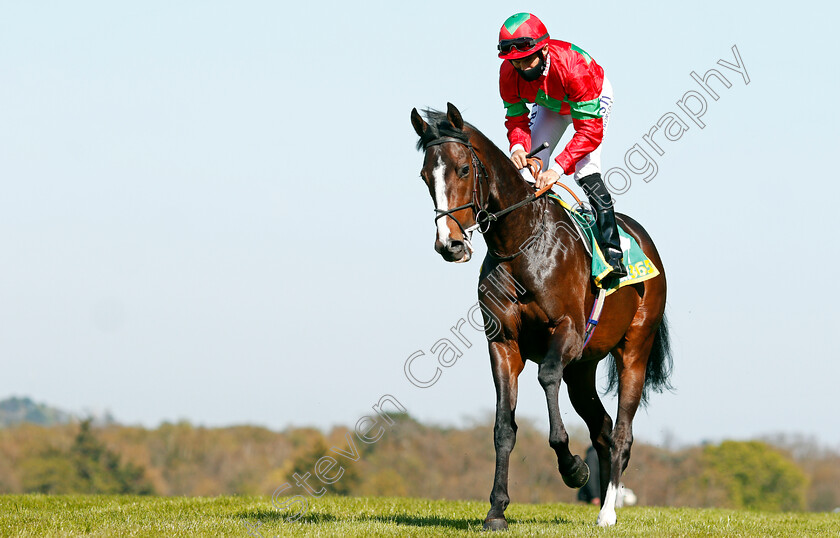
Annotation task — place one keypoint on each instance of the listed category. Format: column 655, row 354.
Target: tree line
column 411, row 459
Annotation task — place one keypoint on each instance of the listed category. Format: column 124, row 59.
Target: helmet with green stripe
column 521, row 35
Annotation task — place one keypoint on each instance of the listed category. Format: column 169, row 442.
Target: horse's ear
column 454, row 116
column 418, row 123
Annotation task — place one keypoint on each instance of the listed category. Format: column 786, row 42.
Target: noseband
column 483, row 218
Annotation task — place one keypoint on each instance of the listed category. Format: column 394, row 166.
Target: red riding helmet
column 521, row 35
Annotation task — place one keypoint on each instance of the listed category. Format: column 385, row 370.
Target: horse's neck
column 507, row 188
column 540, row 220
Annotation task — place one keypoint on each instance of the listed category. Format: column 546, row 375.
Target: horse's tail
column 659, row 365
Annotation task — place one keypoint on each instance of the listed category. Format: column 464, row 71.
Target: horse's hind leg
column 631, row 360
column 507, row 365
column 574, row 471
column 583, row 393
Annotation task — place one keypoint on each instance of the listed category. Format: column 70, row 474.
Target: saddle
column 639, row 266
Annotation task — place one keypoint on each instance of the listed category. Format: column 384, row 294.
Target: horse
column 535, row 290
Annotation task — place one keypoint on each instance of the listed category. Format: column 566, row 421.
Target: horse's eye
column 464, row 170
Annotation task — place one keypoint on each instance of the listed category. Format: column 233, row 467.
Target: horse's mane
column 440, row 127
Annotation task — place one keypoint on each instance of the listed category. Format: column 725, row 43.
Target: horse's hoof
column 495, row 524
column 579, row 475
column 606, row 518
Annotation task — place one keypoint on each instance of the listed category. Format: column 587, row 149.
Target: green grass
column 109, row 515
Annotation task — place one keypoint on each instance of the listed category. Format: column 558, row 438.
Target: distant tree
column 311, row 446
column 88, row 467
column 51, row 471
column 24, row 410
column 410, row 459
column 384, row 483
column 821, row 464
column 753, row 475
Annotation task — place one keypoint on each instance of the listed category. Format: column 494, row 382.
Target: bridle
column 478, row 191
column 483, row 218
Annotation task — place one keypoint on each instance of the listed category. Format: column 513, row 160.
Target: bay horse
column 540, row 304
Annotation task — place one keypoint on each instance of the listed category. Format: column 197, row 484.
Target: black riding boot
column 607, row 230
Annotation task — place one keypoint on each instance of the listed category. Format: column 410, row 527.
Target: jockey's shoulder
column 566, row 49
column 559, row 44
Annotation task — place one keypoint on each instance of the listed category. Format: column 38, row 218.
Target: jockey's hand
column 519, row 159
column 549, row 177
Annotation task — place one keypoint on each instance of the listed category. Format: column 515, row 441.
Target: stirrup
column 618, row 269
column 616, row 262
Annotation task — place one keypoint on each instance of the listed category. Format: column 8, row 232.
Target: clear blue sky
column 212, row 210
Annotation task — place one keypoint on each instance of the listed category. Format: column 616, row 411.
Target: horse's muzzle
column 453, row 251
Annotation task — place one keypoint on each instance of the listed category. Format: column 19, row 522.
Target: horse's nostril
column 456, row 246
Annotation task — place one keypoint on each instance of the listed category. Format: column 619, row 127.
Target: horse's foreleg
column 507, row 365
column 574, row 471
column 631, row 362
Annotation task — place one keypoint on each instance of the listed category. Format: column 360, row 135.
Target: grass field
column 40, row 515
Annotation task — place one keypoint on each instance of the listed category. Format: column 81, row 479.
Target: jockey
column 567, row 87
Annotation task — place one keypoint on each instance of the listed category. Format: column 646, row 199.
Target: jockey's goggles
column 522, row 44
